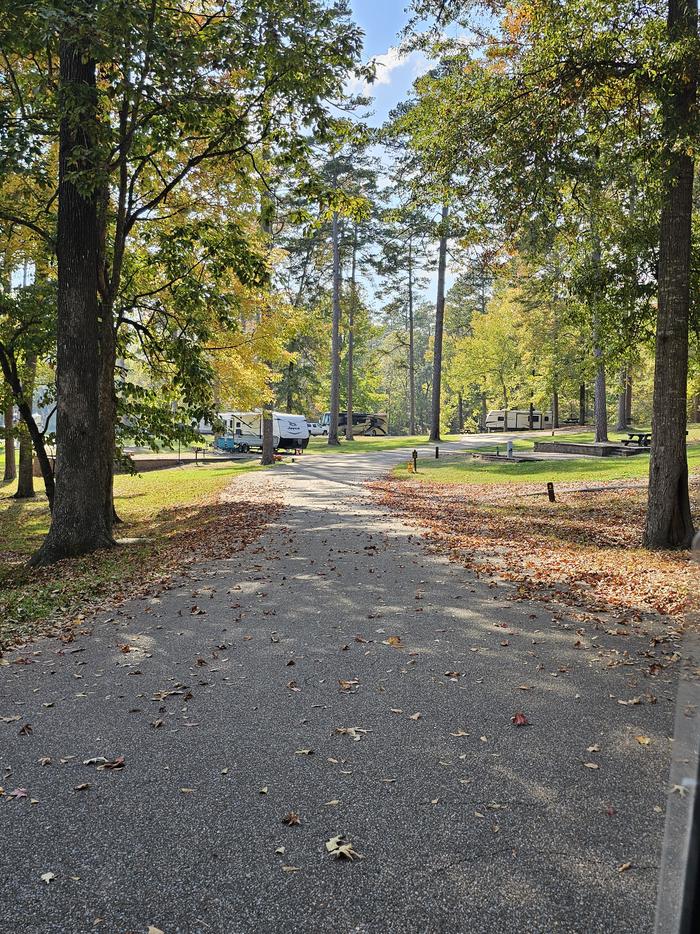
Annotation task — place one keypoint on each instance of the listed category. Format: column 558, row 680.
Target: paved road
column 466, row 822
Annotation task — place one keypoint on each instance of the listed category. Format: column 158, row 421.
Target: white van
column 517, row 420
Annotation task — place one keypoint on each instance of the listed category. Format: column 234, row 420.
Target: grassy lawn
column 174, row 513
column 362, row 445
column 458, row 468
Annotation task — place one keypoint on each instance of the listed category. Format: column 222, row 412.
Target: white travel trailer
column 517, row 420
column 243, row 431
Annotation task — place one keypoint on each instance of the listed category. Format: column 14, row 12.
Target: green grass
column 362, row 445
column 459, row 469
column 155, row 507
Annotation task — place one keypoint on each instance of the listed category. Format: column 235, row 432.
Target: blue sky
column 382, row 21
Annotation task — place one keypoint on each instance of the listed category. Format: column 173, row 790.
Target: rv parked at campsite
column 362, row 423
column 517, row 420
column 242, row 431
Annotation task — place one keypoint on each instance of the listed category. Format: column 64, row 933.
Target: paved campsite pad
column 504, row 828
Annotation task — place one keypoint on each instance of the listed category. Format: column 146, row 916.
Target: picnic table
column 640, row 438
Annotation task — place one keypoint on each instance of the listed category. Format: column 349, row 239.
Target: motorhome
column 242, row 431
column 517, row 420
column 362, row 423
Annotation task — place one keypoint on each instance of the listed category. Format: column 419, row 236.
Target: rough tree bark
column 335, row 337
column 582, row 404
column 555, row 409
column 78, row 522
column 439, row 328
column 669, row 522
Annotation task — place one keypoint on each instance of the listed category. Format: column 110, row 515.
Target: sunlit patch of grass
column 460, row 468
column 166, row 509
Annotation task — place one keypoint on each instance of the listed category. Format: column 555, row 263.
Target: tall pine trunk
column 411, row 346
column 621, row 423
column 78, row 523
column 439, row 328
column 669, row 522
column 335, row 337
column 628, row 399
column 351, row 335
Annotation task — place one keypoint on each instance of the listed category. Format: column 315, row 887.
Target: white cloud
column 385, row 66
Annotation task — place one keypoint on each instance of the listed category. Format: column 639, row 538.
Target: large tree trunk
column 582, row 404
column 600, row 395
column 10, row 456
column 25, row 482
column 411, row 347
column 268, row 441
column 669, row 522
column 600, row 398
column 335, row 338
column 439, row 328
column 351, row 336
column 555, row 409
column 621, row 423
column 78, row 522
column 628, row 399
column 484, row 412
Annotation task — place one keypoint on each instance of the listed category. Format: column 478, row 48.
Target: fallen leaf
column 643, row 740
column 395, row 641
column 519, row 719
column 355, row 731
column 47, row 877
column 303, row 752
column 263, row 791
column 25, row 730
column 341, row 850
column 591, row 765
column 290, row 869
column 415, row 716
column 292, row 819
column 595, row 748
column 83, row 787
column 18, row 793
column 624, row 867
column 45, row 760
column 347, row 685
